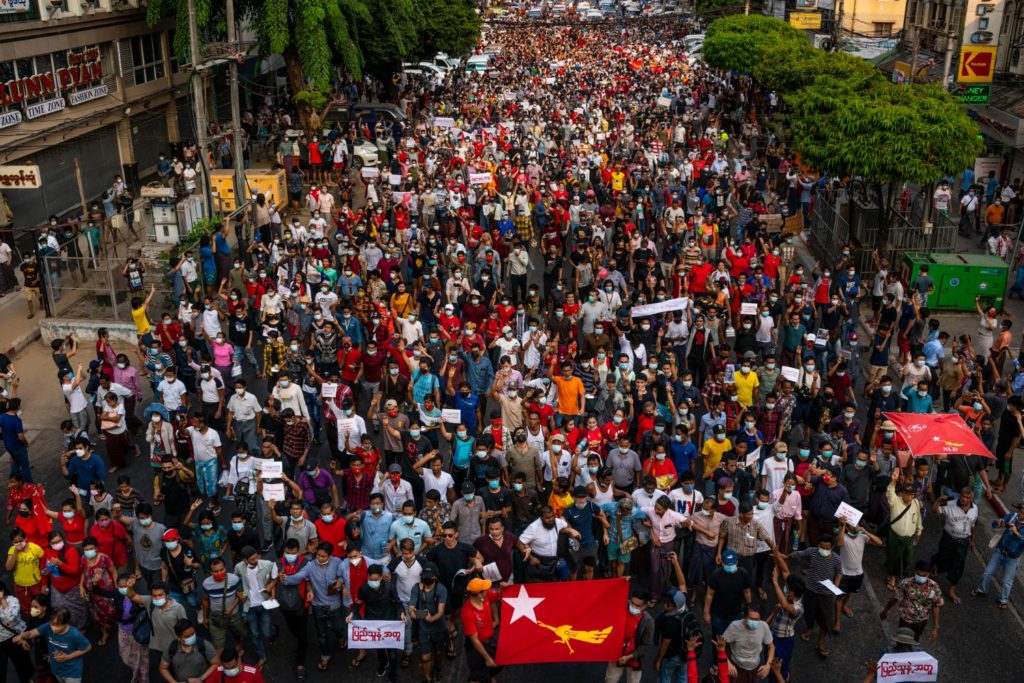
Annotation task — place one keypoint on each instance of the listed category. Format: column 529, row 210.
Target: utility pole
column 241, row 189
column 746, row 7
column 837, row 27
column 199, row 106
column 947, row 61
column 913, row 59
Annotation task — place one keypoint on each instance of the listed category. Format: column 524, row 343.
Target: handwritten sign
column 849, row 514
column 370, row 172
column 273, row 492
column 907, row 667
column 753, row 456
column 792, row 374
column 664, row 101
column 444, row 122
column 480, row 178
column 394, row 179
column 347, row 424
column 748, row 308
column 328, row 390
column 452, row 415
column 376, row 635
column 272, row 469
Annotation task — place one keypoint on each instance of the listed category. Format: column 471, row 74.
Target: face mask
column 762, row 505
column 375, row 508
column 635, row 610
column 687, row 383
column 121, row 590
column 230, row 673
column 719, row 437
column 860, row 464
column 922, row 394
column 730, row 568
column 469, row 497
column 886, row 389
column 374, row 584
column 285, row 383
column 159, row 602
column 294, row 518
column 823, row 552
column 191, row 640
column 753, row 623
column 918, row 579
column 59, row 545
column 145, row 521
column 516, row 486
column 89, row 554
column 205, row 527
column 556, row 448
column 769, row 406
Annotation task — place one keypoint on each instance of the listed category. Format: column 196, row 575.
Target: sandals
column 300, row 673
column 1004, row 605
column 322, row 664
column 356, row 661
column 977, row 593
column 822, row 652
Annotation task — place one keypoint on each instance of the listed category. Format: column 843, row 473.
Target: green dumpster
column 959, row 278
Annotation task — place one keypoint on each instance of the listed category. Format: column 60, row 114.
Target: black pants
column 18, row 656
column 951, row 557
column 518, row 288
column 298, row 626
column 479, row 672
column 390, row 658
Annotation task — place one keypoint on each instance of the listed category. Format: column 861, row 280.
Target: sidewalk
column 17, row 330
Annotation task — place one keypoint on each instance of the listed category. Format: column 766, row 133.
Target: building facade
column 85, row 82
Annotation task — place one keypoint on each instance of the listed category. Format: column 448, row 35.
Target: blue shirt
column 916, row 404
column 423, row 384
column 582, row 521
column 221, row 243
column 71, row 640
column 84, row 472
column 479, row 373
column 375, row 531
column 467, row 406
column 1010, row 544
column 683, row 455
column 12, row 426
column 320, row 578
column 933, row 353
column 417, row 531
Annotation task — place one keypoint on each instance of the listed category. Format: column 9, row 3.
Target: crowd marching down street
column 553, row 339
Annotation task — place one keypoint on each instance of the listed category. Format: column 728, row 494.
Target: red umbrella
column 937, row 434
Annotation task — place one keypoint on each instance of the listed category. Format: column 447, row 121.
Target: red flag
column 937, row 434
column 578, row 621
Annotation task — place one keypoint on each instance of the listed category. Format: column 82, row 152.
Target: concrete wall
column 85, row 330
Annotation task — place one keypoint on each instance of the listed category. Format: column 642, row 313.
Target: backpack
column 290, row 597
column 690, row 629
column 142, row 627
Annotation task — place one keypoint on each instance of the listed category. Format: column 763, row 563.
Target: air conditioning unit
column 981, row 37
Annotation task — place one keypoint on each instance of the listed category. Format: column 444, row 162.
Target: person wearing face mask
column 728, row 589
column 62, row 563
column 233, row 670
column 24, row 561
column 188, row 657
column 821, row 564
column 66, row 646
column 243, row 416
column 378, row 600
column 904, row 527
column 916, row 598
column 258, row 579
column 222, row 604
column 750, row 642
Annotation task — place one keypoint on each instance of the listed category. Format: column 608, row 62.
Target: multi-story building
column 85, row 80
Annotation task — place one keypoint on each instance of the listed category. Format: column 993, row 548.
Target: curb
column 22, row 342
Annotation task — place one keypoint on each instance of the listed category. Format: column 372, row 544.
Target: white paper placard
column 370, row 172
column 273, row 492
column 849, row 514
column 376, row 635
column 792, row 374
column 328, row 390
column 394, row 179
column 659, row 307
column 272, row 469
column 444, row 122
column 753, row 456
column 347, row 424
column 480, row 178
column 452, row 415
column 827, row 583
column 664, row 101
column 748, row 308
column 907, row 667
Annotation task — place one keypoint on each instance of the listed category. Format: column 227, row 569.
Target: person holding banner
column 377, row 600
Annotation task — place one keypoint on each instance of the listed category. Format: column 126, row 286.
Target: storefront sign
column 83, row 69
column 10, row 6
column 20, row 178
column 805, row 20
column 10, row 118
column 80, row 96
column 974, row 94
column 34, row 111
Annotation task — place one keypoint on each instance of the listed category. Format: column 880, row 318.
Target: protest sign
column 368, row 172
column 792, row 374
column 273, row 492
column 748, row 308
column 444, row 122
column 328, row 390
column 480, row 178
column 849, row 514
column 907, row 667
column 659, row 307
column 452, row 415
column 376, row 635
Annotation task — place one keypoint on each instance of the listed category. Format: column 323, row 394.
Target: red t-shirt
column 333, row 533
column 74, row 528
column 478, row 621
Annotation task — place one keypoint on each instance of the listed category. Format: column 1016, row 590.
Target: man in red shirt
column 479, row 616
column 331, row 528
column 233, row 671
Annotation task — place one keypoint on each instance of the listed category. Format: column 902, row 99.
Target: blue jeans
column 206, row 477
column 19, row 463
column 673, row 670
column 327, row 619
column 260, row 626
column 1009, row 567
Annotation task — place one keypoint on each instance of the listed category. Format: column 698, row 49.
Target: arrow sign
column 976, row 64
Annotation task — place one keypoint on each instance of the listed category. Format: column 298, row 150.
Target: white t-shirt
column 685, row 503
column 531, row 356
column 775, row 471
column 564, row 464
column 76, row 398
column 851, row 553
column 204, row 446
column 253, row 589
column 540, row 540
column 170, row 394
column 440, row 484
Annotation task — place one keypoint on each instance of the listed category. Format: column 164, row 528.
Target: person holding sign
column 377, row 600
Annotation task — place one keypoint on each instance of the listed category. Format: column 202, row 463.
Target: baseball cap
column 730, row 557
column 171, row 535
column 477, row 585
column 394, row 468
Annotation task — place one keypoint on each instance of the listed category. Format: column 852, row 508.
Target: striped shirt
column 223, row 595
column 819, row 568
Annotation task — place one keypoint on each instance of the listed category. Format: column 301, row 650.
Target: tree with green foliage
column 883, row 134
column 450, row 26
column 389, row 36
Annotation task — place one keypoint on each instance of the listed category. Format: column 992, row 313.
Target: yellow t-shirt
column 713, row 452
column 26, row 569
column 745, row 385
column 141, row 320
column 618, row 181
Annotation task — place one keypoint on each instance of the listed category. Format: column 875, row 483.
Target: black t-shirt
column 670, row 628
column 450, row 560
column 237, row 541
column 728, row 600
column 1008, row 430
column 495, row 500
